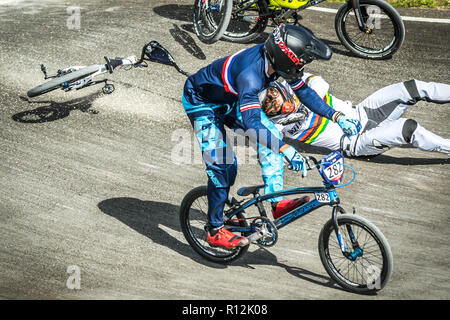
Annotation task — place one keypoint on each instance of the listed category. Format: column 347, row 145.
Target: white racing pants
column 383, row 128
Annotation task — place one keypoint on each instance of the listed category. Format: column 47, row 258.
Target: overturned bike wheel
column 62, row 81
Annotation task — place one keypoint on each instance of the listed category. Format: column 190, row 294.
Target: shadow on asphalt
column 405, row 161
column 188, row 43
column 146, row 217
column 176, row 12
column 52, row 111
column 336, row 50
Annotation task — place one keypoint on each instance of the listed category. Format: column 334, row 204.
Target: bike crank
column 265, row 232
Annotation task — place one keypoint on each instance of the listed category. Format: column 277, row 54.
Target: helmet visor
column 317, row 50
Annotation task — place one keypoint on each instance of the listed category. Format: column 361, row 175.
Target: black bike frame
column 296, row 213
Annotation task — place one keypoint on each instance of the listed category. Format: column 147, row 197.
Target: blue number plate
column 332, row 167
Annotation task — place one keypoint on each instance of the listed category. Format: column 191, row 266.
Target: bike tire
column 341, row 268
column 193, row 220
column 395, row 37
column 58, row 82
column 207, row 26
column 240, row 31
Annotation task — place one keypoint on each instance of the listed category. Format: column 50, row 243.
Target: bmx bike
column 352, row 250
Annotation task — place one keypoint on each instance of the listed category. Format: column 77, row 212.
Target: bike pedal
column 108, row 89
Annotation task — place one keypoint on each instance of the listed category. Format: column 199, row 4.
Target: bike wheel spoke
column 380, row 34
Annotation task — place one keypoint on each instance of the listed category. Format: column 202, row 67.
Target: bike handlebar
column 314, row 160
column 152, row 51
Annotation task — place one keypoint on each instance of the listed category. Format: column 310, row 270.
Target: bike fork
column 355, row 245
column 357, row 10
column 336, row 228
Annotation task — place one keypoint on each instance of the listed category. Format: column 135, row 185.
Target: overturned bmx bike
column 79, row 77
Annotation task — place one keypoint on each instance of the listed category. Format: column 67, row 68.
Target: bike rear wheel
column 211, row 18
column 247, row 24
column 369, row 265
column 385, row 34
column 193, row 219
column 63, row 81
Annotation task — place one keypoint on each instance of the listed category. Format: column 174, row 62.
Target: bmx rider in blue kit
column 226, row 93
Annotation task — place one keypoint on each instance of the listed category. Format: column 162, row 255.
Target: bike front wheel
column 247, row 21
column 211, row 18
column 193, row 219
column 383, row 36
column 367, row 264
column 63, row 81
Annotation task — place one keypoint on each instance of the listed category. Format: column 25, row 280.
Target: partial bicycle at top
column 367, row 28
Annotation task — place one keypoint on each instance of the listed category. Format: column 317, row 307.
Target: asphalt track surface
column 89, row 180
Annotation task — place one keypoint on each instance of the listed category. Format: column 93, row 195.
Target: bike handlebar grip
column 108, row 65
column 111, row 64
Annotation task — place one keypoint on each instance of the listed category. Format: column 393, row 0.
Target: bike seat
column 245, row 191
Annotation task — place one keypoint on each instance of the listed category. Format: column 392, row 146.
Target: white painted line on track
column 405, row 18
column 435, row 20
column 322, row 9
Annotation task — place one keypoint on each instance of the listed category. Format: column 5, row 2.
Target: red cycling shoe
column 225, row 239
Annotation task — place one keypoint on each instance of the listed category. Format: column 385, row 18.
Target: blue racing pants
column 208, row 122
column 220, row 160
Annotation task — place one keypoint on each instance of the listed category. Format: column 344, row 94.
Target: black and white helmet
column 290, row 100
column 289, row 48
column 292, row 110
